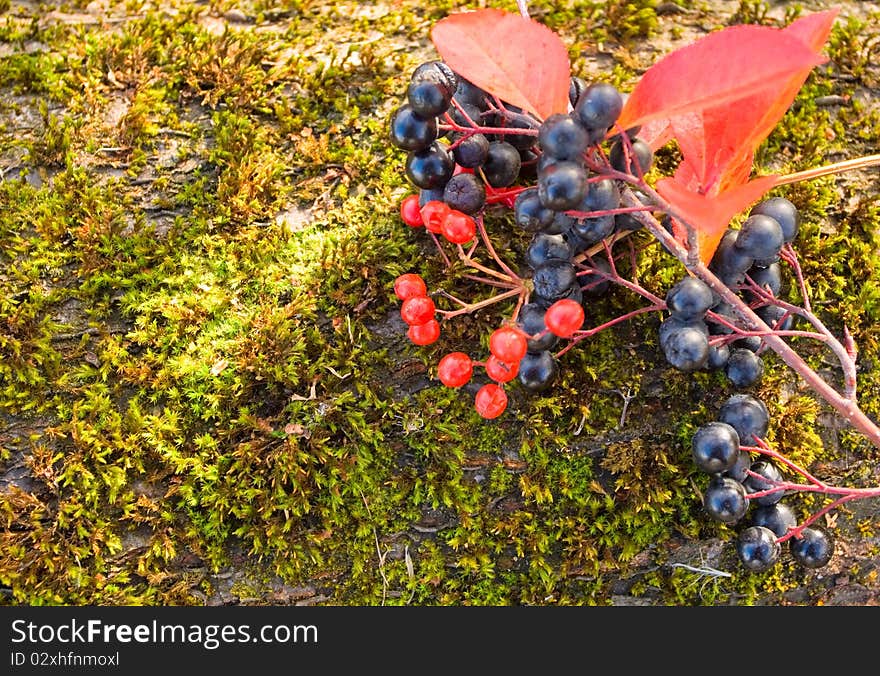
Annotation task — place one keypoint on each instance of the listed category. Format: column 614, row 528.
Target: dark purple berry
column 429, row 96
column 502, row 164
column 813, row 549
column 747, row 415
column 725, row 500
column 715, row 447
column 783, row 212
column 596, row 282
column 718, row 356
column 685, row 344
column 537, row 370
column 775, row 317
column 740, row 469
column 757, row 548
column 562, row 137
column 576, row 87
column 767, row 477
column 553, row 279
column 778, row 517
column 472, row 151
column 744, row 368
column 544, row 247
column 528, row 212
column 411, row 132
column 465, row 192
column 531, row 320
column 635, row 159
column 597, row 108
column 689, row 298
column 760, row 237
column 562, row 186
column 430, row 168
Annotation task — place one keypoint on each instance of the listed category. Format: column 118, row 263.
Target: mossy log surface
column 207, row 396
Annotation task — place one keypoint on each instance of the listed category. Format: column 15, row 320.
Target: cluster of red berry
column 417, row 309
column 439, row 218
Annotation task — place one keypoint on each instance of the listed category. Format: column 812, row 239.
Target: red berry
column 491, row 400
column 417, row 310
column 455, row 369
column 410, row 285
column 458, row 227
column 410, row 211
column 433, row 215
column 500, row 372
column 508, row 344
column 424, row 334
column 564, row 317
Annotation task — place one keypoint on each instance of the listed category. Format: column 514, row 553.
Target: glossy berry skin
column 564, row 317
column 597, row 108
column 689, row 298
column 744, row 368
column 725, row 500
column 740, row 469
column 593, row 229
column 410, row 285
column 747, row 415
column 430, row 168
column 563, row 137
column 417, row 310
column 562, row 186
column 639, row 161
column 576, row 87
column 553, row 280
column 508, row 344
column 718, row 356
column 500, row 371
column 685, row 344
column 502, row 164
column 490, row 401
column 429, row 97
column 437, row 71
column 425, row 196
column 757, row 548
column 458, row 227
column 411, row 132
column 472, row 151
column 770, row 475
column 730, row 262
column 529, row 213
column 455, row 369
column 410, row 211
column 715, row 447
column 778, row 517
column 465, row 192
column 424, row 334
column 537, row 371
column 783, row 212
column 467, row 92
column 433, row 213
column 760, row 237
column 768, row 278
column 813, row 549
column 531, row 321
column 544, row 247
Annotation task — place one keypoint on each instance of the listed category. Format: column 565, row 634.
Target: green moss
column 200, row 343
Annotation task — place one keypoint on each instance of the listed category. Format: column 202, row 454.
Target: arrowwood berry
column 417, row 310
column 564, row 317
column 508, row 344
column 410, row 211
column 424, row 334
column 410, row 285
column 455, row 369
column 490, row 401
column 458, row 227
column 500, row 372
column 433, row 214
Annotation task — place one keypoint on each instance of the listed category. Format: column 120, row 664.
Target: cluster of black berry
column 737, row 481
column 466, row 147
column 748, row 255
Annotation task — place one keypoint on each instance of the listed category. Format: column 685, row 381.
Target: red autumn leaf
column 517, row 59
column 722, row 67
column 710, row 215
